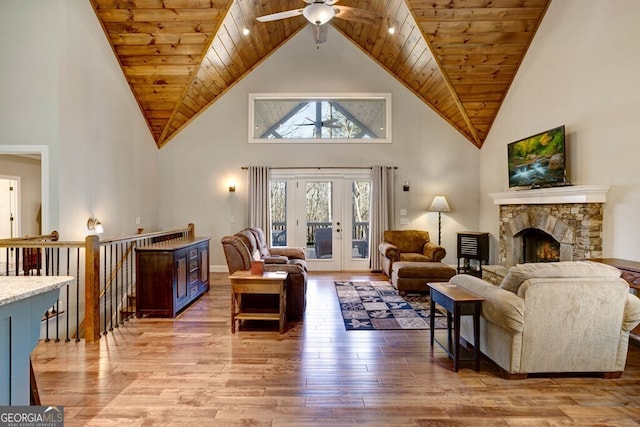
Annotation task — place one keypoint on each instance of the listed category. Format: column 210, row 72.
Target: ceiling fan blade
column 359, row 15
column 280, row 15
column 320, row 33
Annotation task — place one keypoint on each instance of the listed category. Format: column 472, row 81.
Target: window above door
column 303, row 118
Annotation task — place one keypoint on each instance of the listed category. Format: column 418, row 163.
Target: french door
column 327, row 213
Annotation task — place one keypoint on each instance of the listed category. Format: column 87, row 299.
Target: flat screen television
column 538, row 160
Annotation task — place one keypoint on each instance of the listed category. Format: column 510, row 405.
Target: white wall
column 62, row 87
column 197, row 164
column 581, row 71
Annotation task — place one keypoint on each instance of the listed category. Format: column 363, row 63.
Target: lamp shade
column 439, row 204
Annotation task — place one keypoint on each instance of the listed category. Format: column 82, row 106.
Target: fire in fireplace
column 539, row 246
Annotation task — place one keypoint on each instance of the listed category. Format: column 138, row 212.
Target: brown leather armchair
column 408, row 245
column 241, row 248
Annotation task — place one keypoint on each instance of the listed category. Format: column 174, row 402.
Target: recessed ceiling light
column 392, row 30
column 245, row 31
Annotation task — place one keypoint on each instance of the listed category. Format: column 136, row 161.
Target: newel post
column 92, row 289
column 192, row 230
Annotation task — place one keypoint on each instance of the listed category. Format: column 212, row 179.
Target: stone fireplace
column 550, row 224
column 575, row 229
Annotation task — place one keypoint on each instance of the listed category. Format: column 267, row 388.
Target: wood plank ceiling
column 458, row 56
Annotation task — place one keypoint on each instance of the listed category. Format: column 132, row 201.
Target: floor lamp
column 439, row 204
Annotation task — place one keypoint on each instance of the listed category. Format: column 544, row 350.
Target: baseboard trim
column 218, row 269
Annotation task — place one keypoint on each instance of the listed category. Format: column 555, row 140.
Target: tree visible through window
column 352, row 118
column 278, row 207
column 320, row 120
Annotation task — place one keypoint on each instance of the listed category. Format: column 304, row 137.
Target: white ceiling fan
column 320, row 12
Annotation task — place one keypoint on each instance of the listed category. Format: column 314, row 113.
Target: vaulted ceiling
column 458, row 56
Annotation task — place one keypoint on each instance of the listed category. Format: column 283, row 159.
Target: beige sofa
column 565, row 317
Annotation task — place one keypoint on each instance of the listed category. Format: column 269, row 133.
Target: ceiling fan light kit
column 318, row 13
column 321, row 12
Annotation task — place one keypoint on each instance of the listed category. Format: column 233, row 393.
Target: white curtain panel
column 259, row 197
column 382, row 209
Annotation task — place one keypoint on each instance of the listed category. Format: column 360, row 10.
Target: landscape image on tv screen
column 538, row 160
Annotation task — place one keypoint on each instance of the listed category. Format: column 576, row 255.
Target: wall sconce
column 232, row 189
column 94, row 224
column 439, row 204
column 405, row 187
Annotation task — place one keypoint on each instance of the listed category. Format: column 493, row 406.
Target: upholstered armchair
column 559, row 317
column 408, row 245
column 241, row 248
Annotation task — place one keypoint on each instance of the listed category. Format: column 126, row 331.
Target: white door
column 327, row 214
column 9, row 214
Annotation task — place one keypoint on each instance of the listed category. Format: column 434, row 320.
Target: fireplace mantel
column 568, row 194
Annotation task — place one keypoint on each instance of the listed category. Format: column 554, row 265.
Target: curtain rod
column 323, row 167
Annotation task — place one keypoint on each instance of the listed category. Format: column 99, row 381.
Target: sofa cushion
column 249, row 239
column 288, row 251
column 414, row 257
column 236, row 253
column 567, row 269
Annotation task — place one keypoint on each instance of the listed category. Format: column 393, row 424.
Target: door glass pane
column 278, row 211
column 361, row 204
column 319, row 207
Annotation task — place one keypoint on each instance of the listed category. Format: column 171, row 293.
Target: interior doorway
column 9, row 216
column 9, row 207
column 42, row 206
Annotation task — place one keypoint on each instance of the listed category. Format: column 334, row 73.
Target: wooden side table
column 458, row 302
column 243, row 282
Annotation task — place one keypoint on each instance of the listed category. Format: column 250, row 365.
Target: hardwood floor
column 193, row 371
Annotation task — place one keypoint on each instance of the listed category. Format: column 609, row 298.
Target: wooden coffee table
column 457, row 302
column 243, row 282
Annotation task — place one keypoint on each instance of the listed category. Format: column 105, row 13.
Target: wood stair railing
column 108, row 279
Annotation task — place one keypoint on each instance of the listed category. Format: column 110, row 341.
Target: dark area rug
column 378, row 305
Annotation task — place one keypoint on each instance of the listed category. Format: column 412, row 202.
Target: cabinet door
column 204, row 265
column 181, row 282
